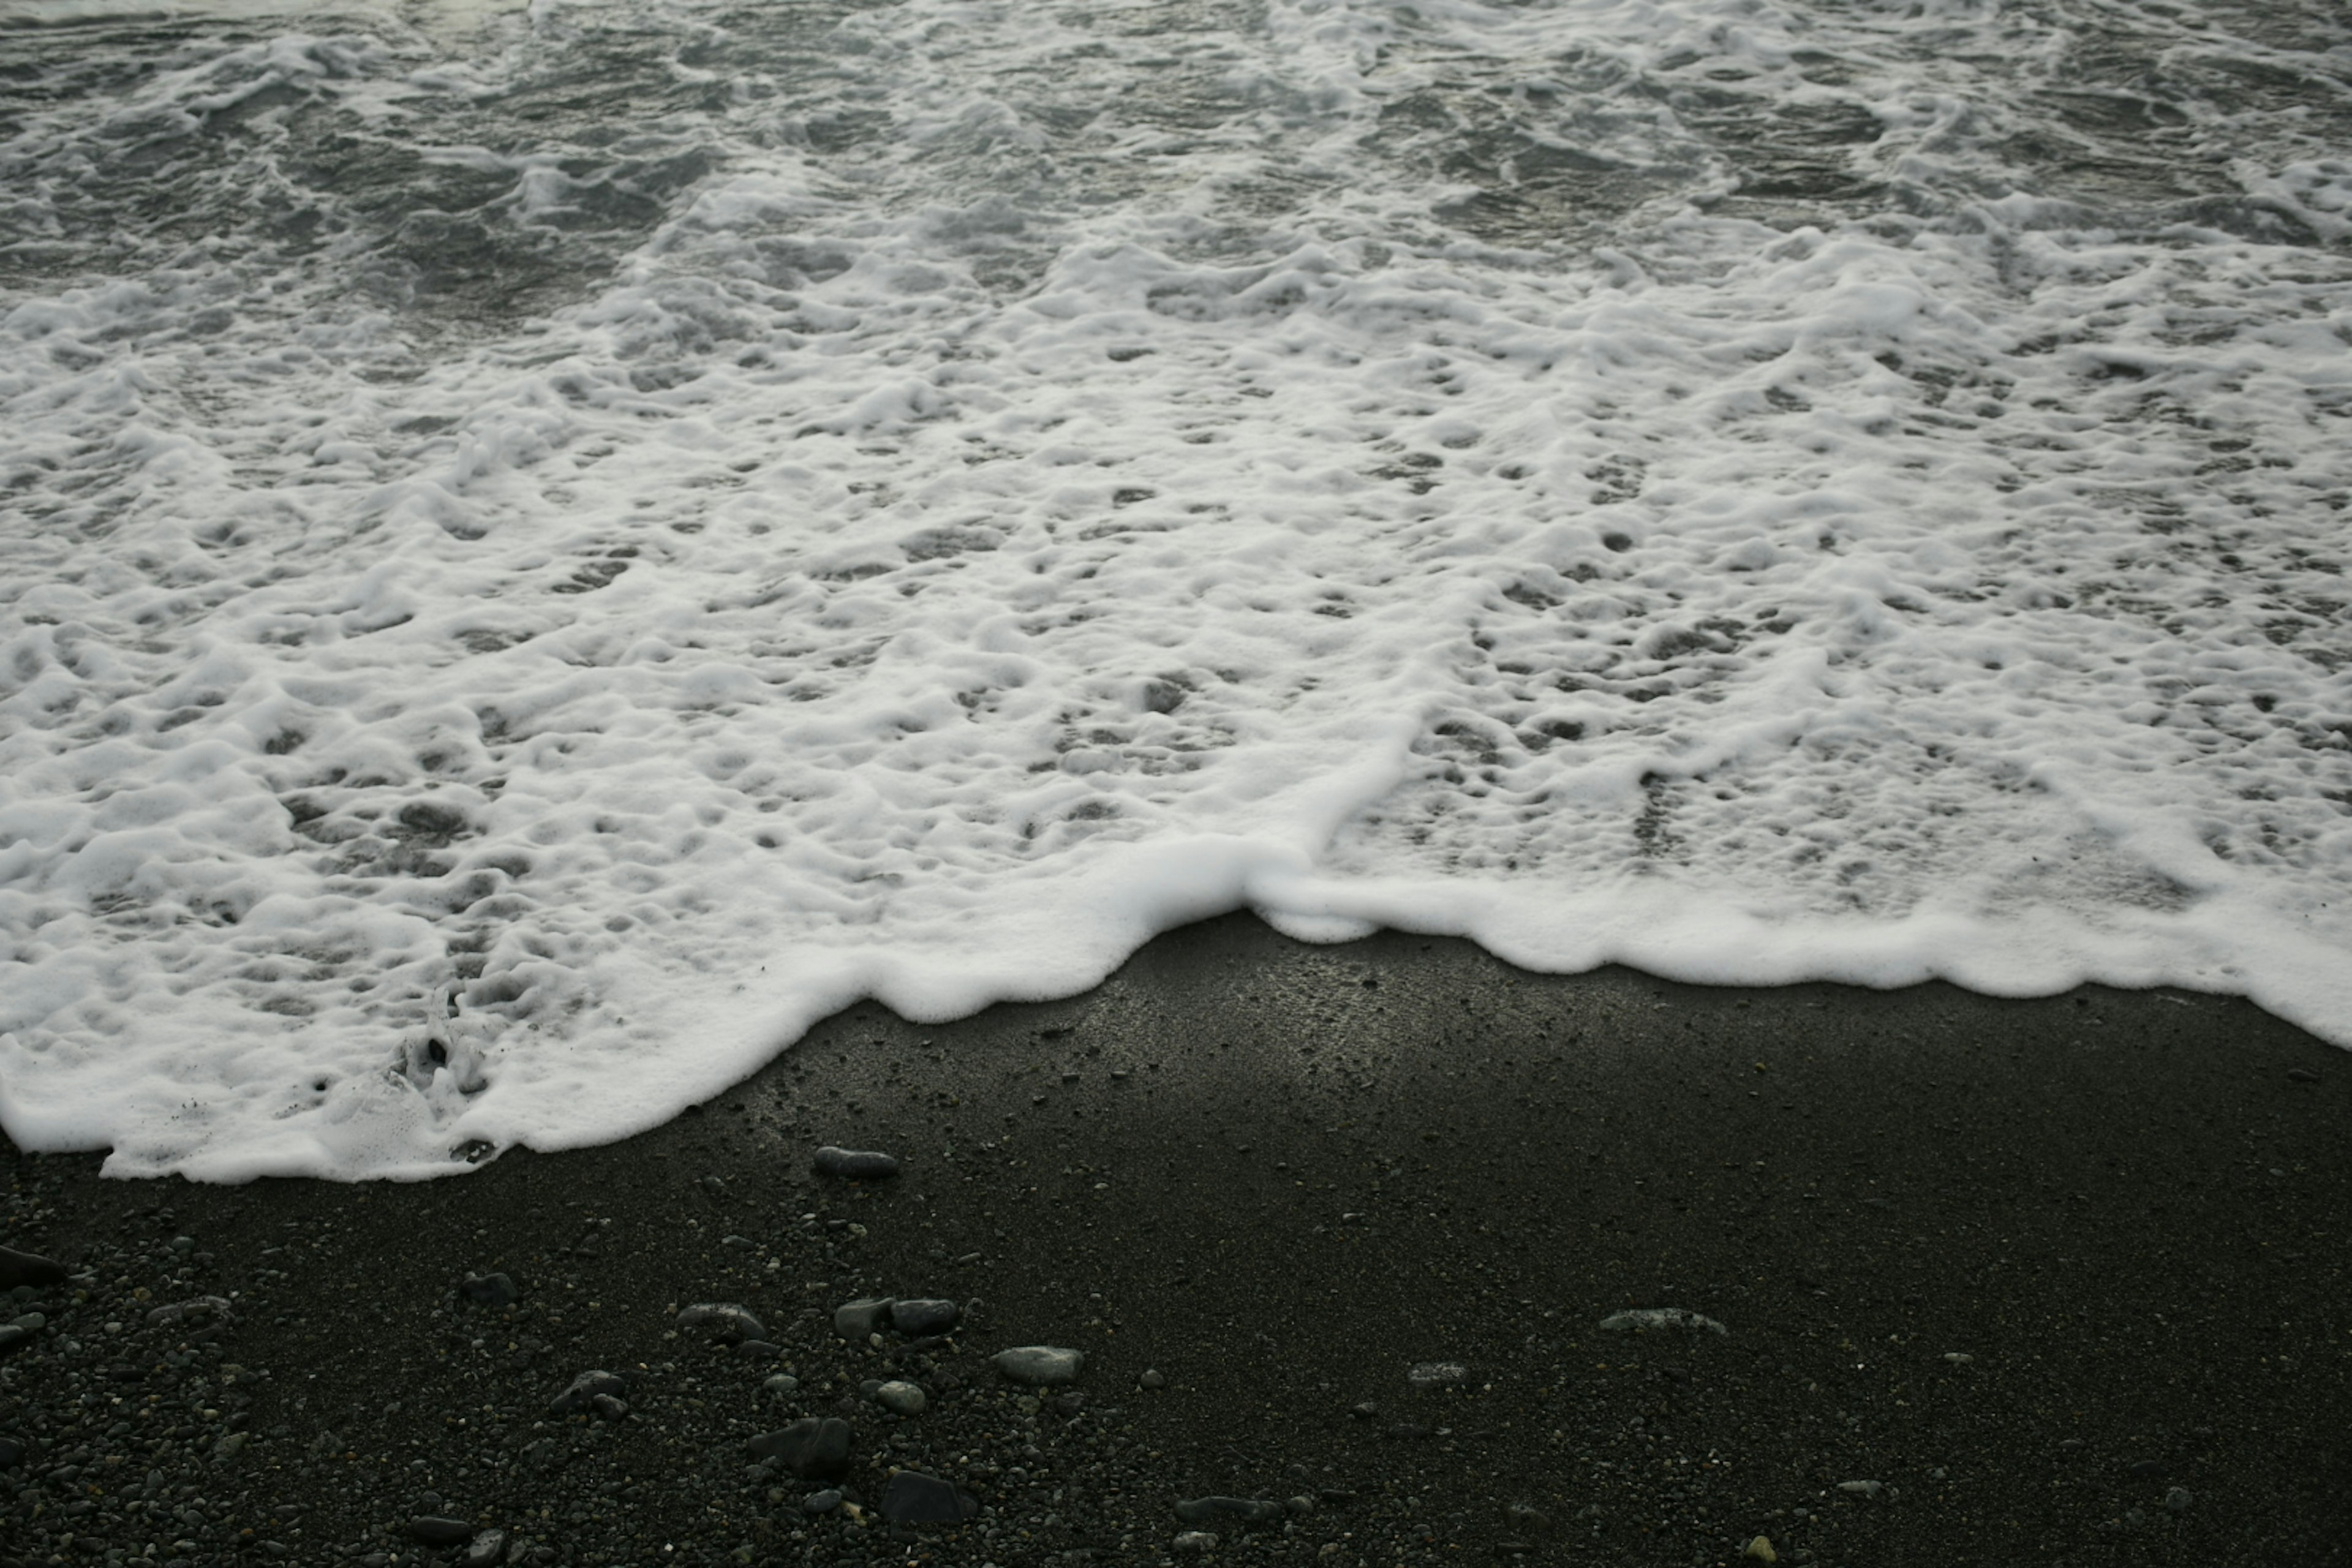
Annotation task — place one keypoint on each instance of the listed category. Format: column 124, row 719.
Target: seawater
column 672, row 517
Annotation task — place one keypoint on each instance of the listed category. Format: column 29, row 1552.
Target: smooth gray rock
column 901, row 1398
column 489, row 1290
column 432, row 1529
column 1643, row 1319
column 1229, row 1510
column 810, row 1448
column 585, row 1389
column 486, row 1548
column 825, row 1501
column 1040, row 1366
column 855, row 1164
column 729, row 1324
column 852, row 1321
column 28, row 1268
column 914, row 1497
column 923, row 1316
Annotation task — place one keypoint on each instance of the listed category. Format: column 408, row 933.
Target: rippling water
column 673, row 517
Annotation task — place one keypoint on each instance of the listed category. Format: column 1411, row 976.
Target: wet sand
column 2066, row 1279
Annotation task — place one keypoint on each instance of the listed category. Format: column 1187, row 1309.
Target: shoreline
column 2066, row 1279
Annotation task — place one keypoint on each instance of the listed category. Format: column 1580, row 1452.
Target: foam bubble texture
column 946, row 492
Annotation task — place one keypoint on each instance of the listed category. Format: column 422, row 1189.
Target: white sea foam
column 1034, row 477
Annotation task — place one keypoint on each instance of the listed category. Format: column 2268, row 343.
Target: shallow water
column 676, row 517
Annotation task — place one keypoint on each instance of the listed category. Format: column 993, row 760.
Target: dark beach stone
column 923, row 1316
column 489, row 1290
column 1040, row 1366
column 608, row 1406
column 854, row 1320
column 914, row 1497
column 825, row 1501
column 855, row 1164
column 12, row 1453
column 1649, row 1320
column 28, row 1268
column 203, row 1307
column 432, row 1529
column 1229, row 1510
column 810, row 1448
column 13, row 1339
column 487, row 1547
column 759, row 1349
column 732, row 1323
column 901, row 1398
column 584, row 1388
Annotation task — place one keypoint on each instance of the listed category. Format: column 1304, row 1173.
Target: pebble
column 913, row 1498
column 12, row 1337
column 901, row 1398
column 487, row 1547
column 825, row 1501
column 1642, row 1319
column 729, row 1324
column 810, row 1447
column 489, row 1290
column 1432, row 1374
column 782, row 1383
column 1040, row 1366
column 1153, row 1378
column 433, row 1530
column 180, row 1312
column 1196, row 1540
column 2178, row 1498
column 1761, row 1550
column 1233, row 1510
column 923, row 1316
column 853, row 1320
column 28, row 1268
column 588, row 1386
column 855, row 1164
column 1863, row 1489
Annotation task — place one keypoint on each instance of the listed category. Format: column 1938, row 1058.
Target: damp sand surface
column 2065, row 1277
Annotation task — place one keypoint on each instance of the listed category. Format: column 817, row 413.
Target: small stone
column 1153, row 1378
column 810, row 1447
column 901, row 1398
column 1228, row 1510
column 1195, row 1540
column 758, row 1350
column 1040, row 1366
column 586, row 1388
column 781, row 1383
column 923, row 1316
column 1432, row 1374
column 203, row 1307
column 28, row 1268
column 489, row 1290
column 13, row 1337
column 12, row 1453
column 1761, row 1550
column 1645, row 1318
column 608, row 1406
column 2178, row 1498
column 859, row 1320
column 913, row 1498
column 432, row 1529
column 825, row 1501
column 1959, row 1358
column 729, row 1324
column 855, row 1164
column 485, row 1549
column 1863, row 1489
column 1299, row 1507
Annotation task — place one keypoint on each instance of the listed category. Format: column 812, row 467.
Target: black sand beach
column 2053, row 1282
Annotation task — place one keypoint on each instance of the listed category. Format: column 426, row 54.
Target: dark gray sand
column 2049, row 1282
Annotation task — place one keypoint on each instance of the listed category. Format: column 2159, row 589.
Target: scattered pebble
column 1228, row 1510
column 855, row 1164
column 901, row 1398
column 810, row 1447
column 1432, row 1374
column 1642, row 1319
column 1040, row 1366
column 856, row 1319
column 432, row 1529
column 2178, row 1498
column 1153, row 1377
column 1761, row 1550
column 489, row 1290
column 1195, row 1540
column 587, row 1386
column 825, row 1501
column 913, row 1498
column 921, row 1317
column 729, row 1324
column 1863, row 1489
